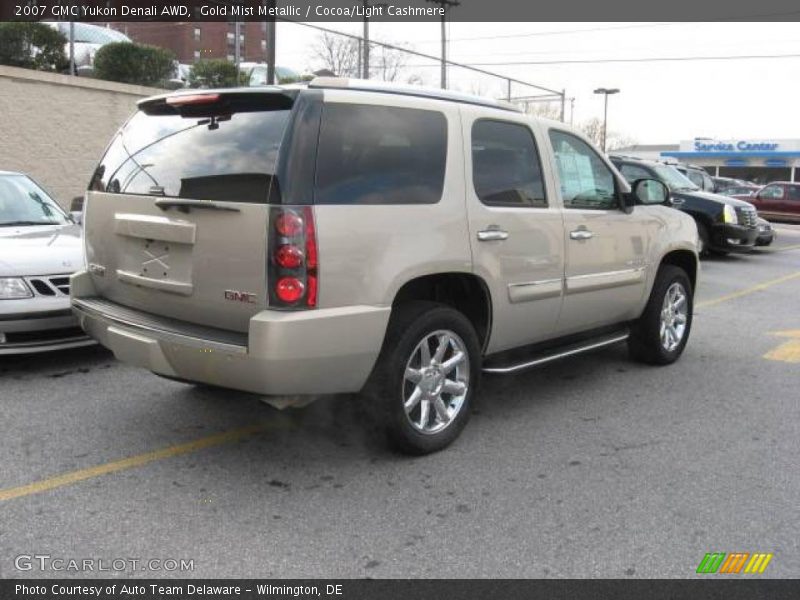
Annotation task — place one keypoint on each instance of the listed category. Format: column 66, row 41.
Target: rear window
column 380, row 155
column 228, row 157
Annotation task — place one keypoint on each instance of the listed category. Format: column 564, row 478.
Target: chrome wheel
column 436, row 381
column 674, row 315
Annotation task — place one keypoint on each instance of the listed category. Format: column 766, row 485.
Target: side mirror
column 649, row 191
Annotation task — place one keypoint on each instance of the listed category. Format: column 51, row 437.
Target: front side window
column 380, row 155
column 22, row 202
column 506, row 170
column 586, row 181
column 772, row 192
column 632, row 172
column 695, row 177
column 225, row 157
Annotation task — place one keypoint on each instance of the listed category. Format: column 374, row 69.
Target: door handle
column 492, row 235
column 580, row 234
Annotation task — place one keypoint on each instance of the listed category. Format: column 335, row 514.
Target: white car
column 40, row 247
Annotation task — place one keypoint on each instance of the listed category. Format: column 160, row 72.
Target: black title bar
column 396, row 10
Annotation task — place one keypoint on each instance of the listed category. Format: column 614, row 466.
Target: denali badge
column 240, row 296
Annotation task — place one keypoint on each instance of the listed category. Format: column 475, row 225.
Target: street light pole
column 606, row 92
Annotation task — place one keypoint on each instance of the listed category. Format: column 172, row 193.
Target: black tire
column 705, row 240
column 385, row 393
column 645, row 344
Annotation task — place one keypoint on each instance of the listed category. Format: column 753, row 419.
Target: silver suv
column 397, row 242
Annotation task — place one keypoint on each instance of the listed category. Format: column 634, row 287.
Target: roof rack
column 366, row 85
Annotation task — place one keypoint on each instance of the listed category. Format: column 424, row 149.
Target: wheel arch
column 465, row 292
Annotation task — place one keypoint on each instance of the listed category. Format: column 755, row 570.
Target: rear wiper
column 15, row 223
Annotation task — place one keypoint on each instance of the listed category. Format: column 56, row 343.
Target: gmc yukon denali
column 394, row 242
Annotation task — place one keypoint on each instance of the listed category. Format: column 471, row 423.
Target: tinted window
column 380, row 155
column 506, row 170
column 230, row 157
column 794, row 192
column 586, row 181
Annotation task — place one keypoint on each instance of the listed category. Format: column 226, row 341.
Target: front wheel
column 422, row 387
column 659, row 336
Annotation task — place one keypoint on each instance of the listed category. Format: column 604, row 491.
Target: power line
column 623, row 60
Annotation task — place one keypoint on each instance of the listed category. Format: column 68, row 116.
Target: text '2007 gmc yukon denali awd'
column 396, row 242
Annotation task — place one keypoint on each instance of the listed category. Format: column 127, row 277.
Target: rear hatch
column 177, row 217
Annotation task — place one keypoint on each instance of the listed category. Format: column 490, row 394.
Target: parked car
column 401, row 243
column 88, row 39
column 724, row 224
column 40, row 247
column 777, row 201
column 731, row 187
column 766, row 233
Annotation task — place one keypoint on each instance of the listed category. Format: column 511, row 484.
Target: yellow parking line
column 128, row 463
column 779, row 248
column 746, row 291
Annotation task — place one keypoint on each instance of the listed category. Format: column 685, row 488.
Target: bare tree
column 390, row 63
column 546, row 110
column 593, row 129
column 337, row 53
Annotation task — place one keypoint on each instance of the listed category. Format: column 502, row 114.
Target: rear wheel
column 422, row 387
column 659, row 336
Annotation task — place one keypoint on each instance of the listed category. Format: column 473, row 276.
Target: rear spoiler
column 193, row 103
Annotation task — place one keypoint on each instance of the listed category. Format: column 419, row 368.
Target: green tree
column 32, row 46
column 215, row 73
column 138, row 64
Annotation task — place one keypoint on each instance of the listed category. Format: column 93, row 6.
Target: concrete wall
column 55, row 127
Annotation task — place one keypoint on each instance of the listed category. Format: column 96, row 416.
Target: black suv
column 725, row 224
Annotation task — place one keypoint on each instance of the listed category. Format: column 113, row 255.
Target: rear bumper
column 733, row 238
column 323, row 351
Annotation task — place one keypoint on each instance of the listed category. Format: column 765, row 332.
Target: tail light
column 292, row 262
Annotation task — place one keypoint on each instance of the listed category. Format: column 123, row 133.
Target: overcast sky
column 659, row 102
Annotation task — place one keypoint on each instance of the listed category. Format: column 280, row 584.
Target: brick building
column 192, row 41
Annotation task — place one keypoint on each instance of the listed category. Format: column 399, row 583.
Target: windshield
column 673, row 178
column 22, row 202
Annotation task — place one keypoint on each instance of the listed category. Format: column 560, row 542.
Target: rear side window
column 380, row 155
column 223, row 157
column 506, row 170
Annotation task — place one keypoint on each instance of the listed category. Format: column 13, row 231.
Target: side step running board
column 542, row 357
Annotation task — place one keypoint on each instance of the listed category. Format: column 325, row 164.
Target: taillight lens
column 289, row 289
column 293, row 260
column 289, row 256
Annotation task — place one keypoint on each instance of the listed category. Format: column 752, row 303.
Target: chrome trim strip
column 163, row 334
column 535, row 290
column 609, row 279
column 558, row 355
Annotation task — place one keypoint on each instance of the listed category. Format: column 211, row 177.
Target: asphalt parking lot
column 593, row 467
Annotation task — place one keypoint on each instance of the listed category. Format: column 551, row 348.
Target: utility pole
column 271, row 43
column 237, row 28
column 365, row 61
column 445, row 5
